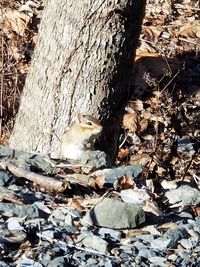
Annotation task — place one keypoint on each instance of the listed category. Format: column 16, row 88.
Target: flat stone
column 95, row 242
column 146, row 238
column 96, row 159
column 116, row 173
column 112, row 213
column 160, row 243
column 186, row 243
column 91, row 262
column 186, row 215
column 172, row 257
column 175, row 235
column 146, row 253
column 58, row 262
column 3, row 264
column 13, row 224
column 184, row 254
column 108, row 263
column 6, row 178
column 16, row 210
column 169, row 239
column 158, row 261
column 29, row 161
column 114, row 234
column 28, row 262
column 186, row 195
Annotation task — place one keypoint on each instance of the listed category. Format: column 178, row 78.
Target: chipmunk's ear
column 79, row 117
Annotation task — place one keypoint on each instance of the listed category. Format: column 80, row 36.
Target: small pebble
column 172, row 257
column 186, row 243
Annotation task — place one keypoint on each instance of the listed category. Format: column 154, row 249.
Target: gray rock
column 160, row 243
column 14, row 225
column 186, row 195
column 96, row 159
column 116, row 173
column 62, row 216
column 127, row 249
column 91, row 262
column 146, row 238
column 152, row 230
column 138, row 244
column 175, row 235
column 194, row 235
column 42, row 207
column 16, row 210
column 57, row 262
column 28, row 161
column 186, row 243
column 146, row 253
column 6, row 193
column 95, row 242
column 184, row 254
column 172, row 257
column 108, row 263
column 24, row 262
column 47, row 234
column 169, row 239
column 6, row 178
column 114, row 234
column 158, row 261
column 43, row 257
column 184, row 214
column 197, row 224
column 82, row 256
column 3, row 264
column 115, row 214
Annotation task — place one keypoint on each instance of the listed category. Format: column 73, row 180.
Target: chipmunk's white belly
column 71, row 151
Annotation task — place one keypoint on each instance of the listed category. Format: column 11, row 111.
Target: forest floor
column 157, row 167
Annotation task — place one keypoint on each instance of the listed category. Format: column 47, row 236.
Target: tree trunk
column 83, row 62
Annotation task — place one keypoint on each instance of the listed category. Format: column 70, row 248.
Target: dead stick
column 41, row 180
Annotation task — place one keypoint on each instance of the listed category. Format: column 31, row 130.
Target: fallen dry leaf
column 152, row 32
column 137, row 105
column 134, row 195
column 13, row 20
column 143, row 124
column 122, row 153
column 142, row 159
column 151, row 206
column 190, row 29
column 130, row 122
column 125, row 182
column 196, row 210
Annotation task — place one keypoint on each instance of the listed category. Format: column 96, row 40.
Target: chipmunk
column 82, row 132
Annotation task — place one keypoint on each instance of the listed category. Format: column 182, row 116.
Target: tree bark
column 83, row 62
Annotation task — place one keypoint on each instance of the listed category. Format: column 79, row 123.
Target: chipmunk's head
column 89, row 124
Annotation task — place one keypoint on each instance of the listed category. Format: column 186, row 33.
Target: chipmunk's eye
column 89, row 123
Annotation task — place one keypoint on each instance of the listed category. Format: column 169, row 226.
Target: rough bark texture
column 83, row 62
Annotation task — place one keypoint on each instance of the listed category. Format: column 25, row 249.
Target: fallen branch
column 41, row 180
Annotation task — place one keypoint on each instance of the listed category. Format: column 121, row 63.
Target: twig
column 122, row 143
column 188, row 40
column 189, row 165
column 63, row 165
column 170, row 81
column 179, row 6
column 41, row 180
column 196, row 178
